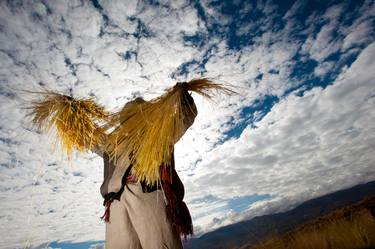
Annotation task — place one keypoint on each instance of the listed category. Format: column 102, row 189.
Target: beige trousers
column 139, row 221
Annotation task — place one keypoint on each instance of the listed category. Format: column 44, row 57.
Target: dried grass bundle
column 148, row 130
column 74, row 120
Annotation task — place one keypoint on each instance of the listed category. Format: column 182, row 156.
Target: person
column 139, row 216
column 148, row 212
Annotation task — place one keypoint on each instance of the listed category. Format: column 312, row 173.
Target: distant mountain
column 258, row 228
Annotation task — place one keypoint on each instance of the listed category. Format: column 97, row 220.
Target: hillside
column 350, row 227
column 259, row 228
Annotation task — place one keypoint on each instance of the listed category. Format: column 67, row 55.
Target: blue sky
column 301, row 127
column 80, row 245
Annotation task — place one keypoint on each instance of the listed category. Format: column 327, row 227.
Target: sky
column 302, row 125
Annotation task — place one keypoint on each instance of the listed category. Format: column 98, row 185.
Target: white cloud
column 120, row 11
column 361, row 31
column 319, row 46
column 296, row 7
column 97, row 246
column 70, row 45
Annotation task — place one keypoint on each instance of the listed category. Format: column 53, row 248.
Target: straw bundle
column 148, row 130
column 145, row 131
column 74, row 120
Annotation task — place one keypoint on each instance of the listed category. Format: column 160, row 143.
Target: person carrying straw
column 143, row 195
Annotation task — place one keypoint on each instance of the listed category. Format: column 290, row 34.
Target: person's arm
column 189, row 112
column 99, row 148
column 108, row 166
column 107, row 173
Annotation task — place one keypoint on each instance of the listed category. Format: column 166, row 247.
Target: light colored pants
column 139, row 221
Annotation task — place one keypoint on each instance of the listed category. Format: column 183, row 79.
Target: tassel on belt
column 110, row 197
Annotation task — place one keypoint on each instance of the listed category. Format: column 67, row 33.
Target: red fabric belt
column 131, row 179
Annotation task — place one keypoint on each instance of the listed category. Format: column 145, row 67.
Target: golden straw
column 148, row 130
column 74, row 120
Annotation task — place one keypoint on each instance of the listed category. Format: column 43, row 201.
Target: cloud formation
column 305, row 147
column 301, row 127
